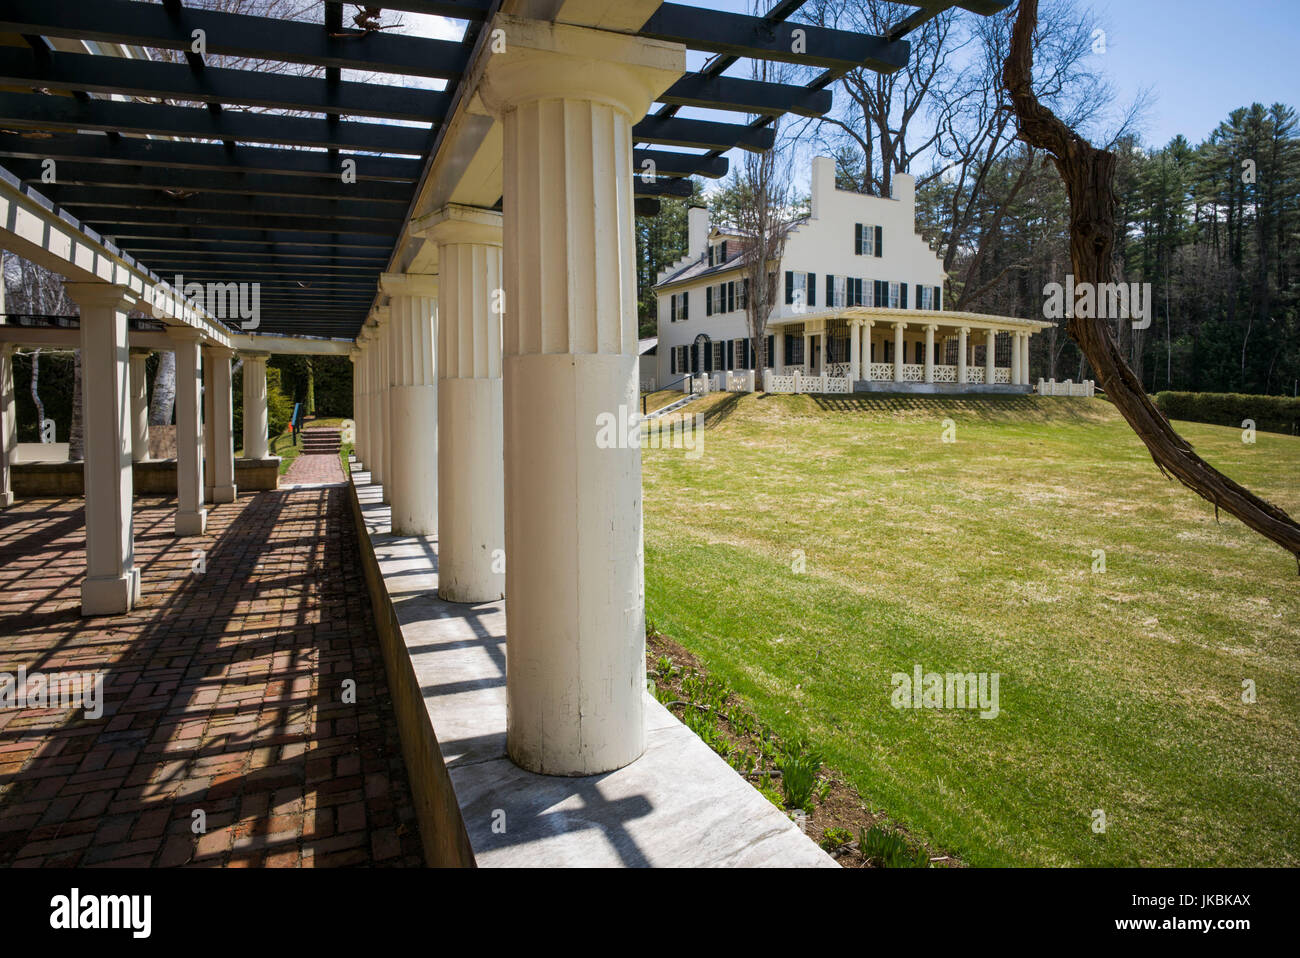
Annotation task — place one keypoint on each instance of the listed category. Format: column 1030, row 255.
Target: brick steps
column 321, row 440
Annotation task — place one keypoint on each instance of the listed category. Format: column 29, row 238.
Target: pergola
column 471, row 248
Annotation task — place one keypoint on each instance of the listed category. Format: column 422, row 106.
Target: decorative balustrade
column 975, row 374
column 806, row 384
column 837, row 384
column 837, row 369
column 945, row 374
column 882, row 372
column 1001, row 375
column 913, row 373
column 1051, row 387
column 647, row 385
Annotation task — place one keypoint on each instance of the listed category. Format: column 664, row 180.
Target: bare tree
column 1089, row 177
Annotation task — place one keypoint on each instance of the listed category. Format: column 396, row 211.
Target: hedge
column 1270, row 413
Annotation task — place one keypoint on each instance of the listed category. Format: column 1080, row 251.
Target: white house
column 860, row 295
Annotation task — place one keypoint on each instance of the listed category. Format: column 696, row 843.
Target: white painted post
column 191, row 516
column 1015, row 359
column 575, row 594
column 867, row 327
column 255, row 415
column 222, row 424
column 1024, row 360
column 8, row 423
column 112, row 583
column 963, row 376
column 855, row 348
column 384, row 454
column 929, row 353
column 990, row 354
column 898, row 351
column 412, row 464
column 471, row 473
column 139, row 406
column 208, row 432
column 778, row 353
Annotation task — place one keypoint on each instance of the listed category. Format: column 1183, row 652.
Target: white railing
column 1001, row 375
column 799, row 383
column 945, row 374
column 837, row 369
column 741, row 381
column 1051, row 387
column 912, row 373
column 699, row 385
column 882, row 372
column 647, row 385
column 975, row 374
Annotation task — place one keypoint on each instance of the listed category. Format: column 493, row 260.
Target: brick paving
column 314, row 467
column 224, row 693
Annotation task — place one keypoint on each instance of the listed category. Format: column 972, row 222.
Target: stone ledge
column 152, row 476
column 679, row 805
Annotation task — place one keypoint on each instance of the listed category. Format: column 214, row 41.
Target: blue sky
column 1201, row 59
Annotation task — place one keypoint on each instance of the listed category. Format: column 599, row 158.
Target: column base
column 6, row 500
column 225, row 493
column 414, row 464
column 471, row 494
column 110, row 595
column 192, row 523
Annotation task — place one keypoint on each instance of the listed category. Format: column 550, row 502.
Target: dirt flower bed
column 788, row 774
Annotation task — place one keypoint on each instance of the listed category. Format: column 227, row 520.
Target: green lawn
column 1119, row 690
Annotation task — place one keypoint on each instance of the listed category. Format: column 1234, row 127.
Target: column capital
column 455, row 224
column 224, row 352
column 900, row 325
column 964, row 330
column 254, row 355
column 540, row 60
column 111, row 295
column 379, row 316
column 932, row 327
column 408, row 284
column 140, row 352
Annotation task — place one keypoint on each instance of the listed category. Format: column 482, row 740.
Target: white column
column 139, row 406
column 898, row 351
column 929, row 353
column 8, row 422
column 1024, row 359
column 962, row 375
column 383, row 367
column 255, row 440
column 411, row 476
column 1015, row 359
column 778, row 349
column 112, row 583
column 359, row 370
column 990, row 341
column 221, row 425
column 575, row 593
column 471, row 477
column 867, row 328
column 191, row 516
column 209, row 433
column 855, row 348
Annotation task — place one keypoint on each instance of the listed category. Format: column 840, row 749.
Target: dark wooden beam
column 679, row 188
column 667, row 163
column 675, row 131
column 103, row 197
column 232, row 34
column 746, row 96
column 151, row 78
column 472, row 10
column 119, row 220
column 40, row 111
column 741, row 35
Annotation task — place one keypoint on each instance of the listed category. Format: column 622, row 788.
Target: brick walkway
column 224, row 694
column 310, row 468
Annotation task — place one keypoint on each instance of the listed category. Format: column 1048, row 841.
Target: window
column 894, row 296
column 925, row 297
column 867, row 239
column 717, row 356
column 680, row 307
column 836, row 291
column 796, row 289
column 742, row 294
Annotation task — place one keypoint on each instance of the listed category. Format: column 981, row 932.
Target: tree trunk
column 1088, row 174
column 164, row 390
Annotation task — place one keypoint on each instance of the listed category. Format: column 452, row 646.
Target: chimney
column 905, row 189
column 697, row 231
column 823, row 185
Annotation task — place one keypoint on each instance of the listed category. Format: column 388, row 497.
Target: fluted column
column 990, row 353
column 575, row 595
column 191, row 516
column 411, row 476
column 471, row 476
column 382, row 452
column 867, row 327
column 778, row 352
column 219, row 422
column 112, row 583
column 962, row 374
column 256, row 425
column 1024, row 359
column 929, row 353
column 855, row 348
column 8, row 424
column 139, row 406
column 898, row 351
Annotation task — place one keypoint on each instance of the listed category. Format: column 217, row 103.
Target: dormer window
column 717, row 253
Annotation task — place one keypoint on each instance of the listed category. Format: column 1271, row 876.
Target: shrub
column 1270, row 413
column 279, row 407
column 889, row 850
column 799, row 767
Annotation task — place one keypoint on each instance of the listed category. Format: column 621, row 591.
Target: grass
column 820, row 545
column 283, row 445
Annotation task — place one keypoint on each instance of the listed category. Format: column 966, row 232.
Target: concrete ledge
column 946, row 389
column 151, row 477
column 678, row 805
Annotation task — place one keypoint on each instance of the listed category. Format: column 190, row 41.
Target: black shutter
column 902, row 296
column 880, row 242
column 812, row 289
column 686, row 305
column 857, row 239
column 744, row 292
column 731, row 297
column 830, row 290
column 938, row 297
column 724, row 251
column 708, row 300
column 789, row 287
